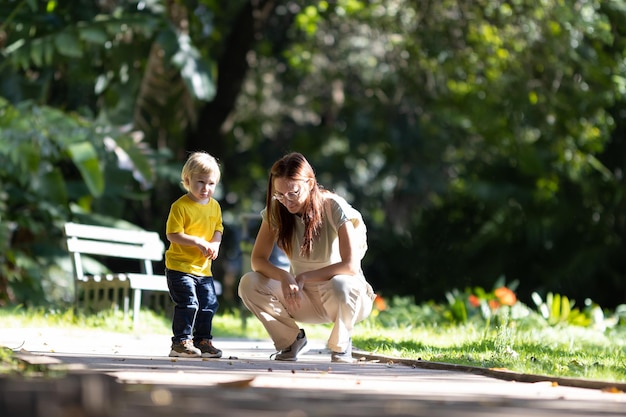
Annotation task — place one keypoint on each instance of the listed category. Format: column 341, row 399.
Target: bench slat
column 110, row 234
column 152, row 251
column 148, row 282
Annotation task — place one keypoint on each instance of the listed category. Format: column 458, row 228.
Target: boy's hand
column 213, row 250
column 204, row 247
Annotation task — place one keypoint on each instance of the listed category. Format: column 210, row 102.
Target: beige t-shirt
column 326, row 249
column 195, row 219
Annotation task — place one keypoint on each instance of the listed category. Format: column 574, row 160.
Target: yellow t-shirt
column 192, row 218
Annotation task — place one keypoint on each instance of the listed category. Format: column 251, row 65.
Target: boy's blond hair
column 200, row 163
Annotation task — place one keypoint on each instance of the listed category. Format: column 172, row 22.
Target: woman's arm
column 350, row 263
column 261, row 252
column 259, row 261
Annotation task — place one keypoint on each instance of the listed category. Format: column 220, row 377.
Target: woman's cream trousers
column 343, row 300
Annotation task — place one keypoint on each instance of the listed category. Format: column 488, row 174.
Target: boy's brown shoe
column 207, row 349
column 184, row 349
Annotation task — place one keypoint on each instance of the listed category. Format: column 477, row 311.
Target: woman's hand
column 300, row 278
column 291, row 293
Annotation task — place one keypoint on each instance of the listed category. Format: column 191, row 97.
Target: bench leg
column 126, row 300
column 136, row 306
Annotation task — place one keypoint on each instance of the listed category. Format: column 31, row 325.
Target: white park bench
column 114, row 290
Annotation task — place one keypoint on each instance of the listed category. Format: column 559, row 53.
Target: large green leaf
column 133, row 158
column 52, row 187
column 68, row 44
column 95, row 34
column 195, row 71
column 85, row 158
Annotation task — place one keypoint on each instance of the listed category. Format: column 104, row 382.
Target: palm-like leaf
column 162, row 96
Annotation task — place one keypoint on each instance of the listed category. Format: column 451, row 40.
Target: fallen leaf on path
column 242, row 383
column 612, row 390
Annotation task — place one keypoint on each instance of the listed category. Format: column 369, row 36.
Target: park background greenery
column 482, row 140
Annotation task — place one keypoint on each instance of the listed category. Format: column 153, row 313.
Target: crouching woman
column 325, row 240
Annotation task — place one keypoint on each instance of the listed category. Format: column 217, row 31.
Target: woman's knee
column 343, row 283
column 340, row 287
column 248, row 283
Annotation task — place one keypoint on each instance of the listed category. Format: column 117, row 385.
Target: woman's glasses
column 290, row 196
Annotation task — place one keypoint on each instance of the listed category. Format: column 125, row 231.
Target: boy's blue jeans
column 195, row 304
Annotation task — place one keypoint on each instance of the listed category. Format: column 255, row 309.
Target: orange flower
column 494, row 304
column 473, row 300
column 505, row 296
column 379, row 303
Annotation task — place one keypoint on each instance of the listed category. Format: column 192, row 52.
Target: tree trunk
column 232, row 68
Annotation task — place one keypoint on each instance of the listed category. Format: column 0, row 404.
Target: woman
column 324, row 239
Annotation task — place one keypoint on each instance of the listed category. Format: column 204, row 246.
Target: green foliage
column 457, row 308
column 472, row 136
column 559, row 309
column 403, row 312
column 478, row 139
column 476, row 304
column 53, row 166
column 492, row 309
column 196, row 72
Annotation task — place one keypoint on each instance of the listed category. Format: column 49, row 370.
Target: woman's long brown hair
column 294, row 166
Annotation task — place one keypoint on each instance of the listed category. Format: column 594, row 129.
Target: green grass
column 553, row 351
column 113, row 321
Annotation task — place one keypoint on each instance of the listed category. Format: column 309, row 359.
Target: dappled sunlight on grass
column 566, row 351
column 109, row 320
